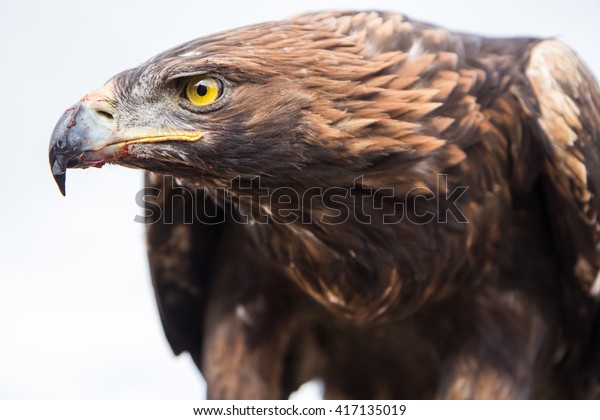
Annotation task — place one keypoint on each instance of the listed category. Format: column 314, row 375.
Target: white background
column 77, row 312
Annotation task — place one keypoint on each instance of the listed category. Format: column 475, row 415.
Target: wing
column 181, row 256
column 561, row 102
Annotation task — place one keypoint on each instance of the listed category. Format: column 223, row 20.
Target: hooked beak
column 88, row 135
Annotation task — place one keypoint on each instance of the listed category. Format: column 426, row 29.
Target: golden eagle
column 400, row 210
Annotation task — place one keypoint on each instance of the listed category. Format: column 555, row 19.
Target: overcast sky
column 77, row 311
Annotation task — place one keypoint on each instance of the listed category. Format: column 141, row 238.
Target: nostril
column 106, row 114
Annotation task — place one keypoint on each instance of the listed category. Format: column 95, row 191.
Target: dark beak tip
column 61, row 180
column 60, row 176
column 58, row 168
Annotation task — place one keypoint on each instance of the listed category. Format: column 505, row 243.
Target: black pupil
column 201, row 90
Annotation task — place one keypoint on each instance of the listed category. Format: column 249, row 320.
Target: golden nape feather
column 400, row 210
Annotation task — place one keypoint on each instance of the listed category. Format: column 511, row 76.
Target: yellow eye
column 203, row 90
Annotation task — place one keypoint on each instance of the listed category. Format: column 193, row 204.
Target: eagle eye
column 203, row 90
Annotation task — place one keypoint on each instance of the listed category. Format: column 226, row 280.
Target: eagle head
column 292, row 102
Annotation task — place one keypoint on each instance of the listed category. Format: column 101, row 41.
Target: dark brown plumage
column 493, row 296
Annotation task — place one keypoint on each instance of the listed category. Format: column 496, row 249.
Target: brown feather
column 495, row 297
